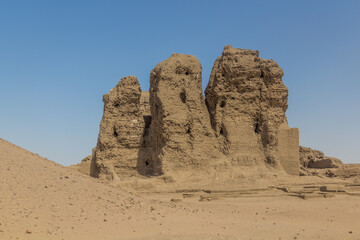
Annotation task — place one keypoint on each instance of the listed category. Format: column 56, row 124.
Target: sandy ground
column 40, row 199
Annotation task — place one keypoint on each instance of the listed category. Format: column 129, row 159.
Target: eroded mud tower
column 173, row 130
column 247, row 101
column 121, row 131
column 181, row 134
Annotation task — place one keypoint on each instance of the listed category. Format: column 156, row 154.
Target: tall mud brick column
column 181, row 135
column 121, row 130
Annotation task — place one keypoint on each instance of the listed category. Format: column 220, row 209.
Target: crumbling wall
column 315, row 163
column 247, row 101
column 311, row 158
column 307, row 154
column 121, row 131
column 84, row 166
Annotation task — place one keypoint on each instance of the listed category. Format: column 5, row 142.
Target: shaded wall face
column 144, row 163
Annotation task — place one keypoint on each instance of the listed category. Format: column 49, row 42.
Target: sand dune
column 49, row 200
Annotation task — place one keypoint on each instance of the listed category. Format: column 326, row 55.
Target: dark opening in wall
column 188, row 131
column 270, row 160
column 223, row 131
column 147, row 120
column 262, row 74
column 257, row 127
column 183, row 96
column 147, row 163
column 182, row 70
column 115, row 133
column 222, row 104
column 116, row 105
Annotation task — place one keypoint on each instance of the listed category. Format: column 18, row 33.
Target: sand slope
column 50, row 200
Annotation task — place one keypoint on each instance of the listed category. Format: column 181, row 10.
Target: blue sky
column 57, row 59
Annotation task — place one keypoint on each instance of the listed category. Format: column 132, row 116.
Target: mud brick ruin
column 173, row 129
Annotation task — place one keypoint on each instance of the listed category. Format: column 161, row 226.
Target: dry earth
column 40, row 199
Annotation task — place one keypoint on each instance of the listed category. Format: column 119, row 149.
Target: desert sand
column 40, row 199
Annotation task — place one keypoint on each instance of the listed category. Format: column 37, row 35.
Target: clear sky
column 57, row 59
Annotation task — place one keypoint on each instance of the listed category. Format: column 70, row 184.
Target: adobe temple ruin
column 174, row 130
